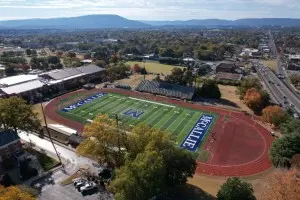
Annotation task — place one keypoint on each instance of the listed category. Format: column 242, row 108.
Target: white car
column 88, row 186
column 80, row 183
column 76, row 180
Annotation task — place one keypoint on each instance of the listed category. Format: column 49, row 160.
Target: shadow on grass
column 186, row 192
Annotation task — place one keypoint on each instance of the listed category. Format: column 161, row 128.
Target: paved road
column 74, row 161
column 279, row 90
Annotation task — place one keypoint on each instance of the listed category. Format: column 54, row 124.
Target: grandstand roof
column 166, row 89
column 63, row 73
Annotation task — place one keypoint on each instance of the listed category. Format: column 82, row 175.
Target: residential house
column 10, row 144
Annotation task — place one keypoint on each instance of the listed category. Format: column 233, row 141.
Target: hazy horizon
column 155, row 10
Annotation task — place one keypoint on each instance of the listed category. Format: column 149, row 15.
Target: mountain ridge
column 117, row 22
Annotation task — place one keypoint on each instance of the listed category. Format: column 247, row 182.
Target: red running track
column 239, row 148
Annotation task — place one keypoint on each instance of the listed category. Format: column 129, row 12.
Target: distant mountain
column 82, row 22
column 115, row 21
column 287, row 22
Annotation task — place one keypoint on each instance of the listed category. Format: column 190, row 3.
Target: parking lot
column 50, row 189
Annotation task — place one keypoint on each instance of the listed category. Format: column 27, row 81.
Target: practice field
column 132, row 111
column 155, row 67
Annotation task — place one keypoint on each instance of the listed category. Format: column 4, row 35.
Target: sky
column 151, row 9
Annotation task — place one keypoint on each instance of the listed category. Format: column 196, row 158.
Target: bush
column 209, row 89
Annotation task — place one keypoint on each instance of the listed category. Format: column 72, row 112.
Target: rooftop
column 13, row 80
column 228, row 76
column 62, row 129
column 7, row 137
column 24, row 87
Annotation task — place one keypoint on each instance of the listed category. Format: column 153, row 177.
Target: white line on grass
column 152, row 102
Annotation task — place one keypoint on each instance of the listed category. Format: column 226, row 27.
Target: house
column 10, row 144
column 226, row 67
column 223, row 76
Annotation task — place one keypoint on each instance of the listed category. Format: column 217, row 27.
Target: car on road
column 77, row 180
column 87, row 187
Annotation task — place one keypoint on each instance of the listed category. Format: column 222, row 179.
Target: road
column 280, row 68
column 280, row 91
column 74, row 161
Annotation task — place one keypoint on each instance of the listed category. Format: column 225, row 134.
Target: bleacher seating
column 166, row 89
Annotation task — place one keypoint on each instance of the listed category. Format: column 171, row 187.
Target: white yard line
column 152, row 102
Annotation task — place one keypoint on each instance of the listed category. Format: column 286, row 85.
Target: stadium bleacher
column 166, row 89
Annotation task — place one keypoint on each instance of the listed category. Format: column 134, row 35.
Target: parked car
column 87, row 187
column 77, row 180
column 80, row 184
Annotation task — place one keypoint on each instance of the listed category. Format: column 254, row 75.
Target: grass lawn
column 173, row 119
column 46, row 162
column 271, row 64
column 154, row 67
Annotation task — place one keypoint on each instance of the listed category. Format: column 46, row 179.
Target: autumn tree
column 14, row 193
column 247, row 84
column 236, row 189
column 284, row 148
column 16, row 114
column 136, row 68
column 273, row 115
column 104, row 141
column 256, row 99
column 283, row 185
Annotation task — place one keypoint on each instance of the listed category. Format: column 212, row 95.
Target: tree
column 117, row 72
column 10, row 71
column 209, row 89
column 283, row 185
column 17, row 114
column 290, row 125
column 236, row 189
column 14, row 193
column 28, row 52
column 188, row 78
column 176, row 76
column 247, row 84
column 284, row 148
column 136, row 68
column 141, row 178
column 253, row 99
column 273, row 115
column 71, row 62
column 178, row 164
column 102, row 136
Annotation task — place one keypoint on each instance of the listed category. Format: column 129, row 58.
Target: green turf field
column 173, row 119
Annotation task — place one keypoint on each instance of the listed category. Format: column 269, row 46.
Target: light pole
column 46, row 126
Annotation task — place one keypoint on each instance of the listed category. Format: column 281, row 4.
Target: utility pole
column 118, row 135
column 46, row 126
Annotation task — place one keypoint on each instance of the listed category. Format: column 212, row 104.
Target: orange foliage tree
column 283, row 185
column 14, row 193
column 273, row 115
column 253, row 99
column 136, row 68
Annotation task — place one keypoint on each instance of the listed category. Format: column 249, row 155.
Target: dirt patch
column 272, row 64
column 229, row 93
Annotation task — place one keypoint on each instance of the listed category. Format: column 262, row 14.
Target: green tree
column 141, row 178
column 290, row 125
column 284, row 148
column 16, row 114
column 209, row 89
column 28, row 52
column 236, row 189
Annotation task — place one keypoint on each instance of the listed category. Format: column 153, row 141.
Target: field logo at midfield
column 133, row 113
column 196, row 135
column 83, row 102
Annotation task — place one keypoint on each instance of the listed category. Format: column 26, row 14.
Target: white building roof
column 13, row 80
column 23, row 87
column 294, row 57
column 62, row 129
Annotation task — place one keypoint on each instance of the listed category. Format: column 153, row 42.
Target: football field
column 176, row 120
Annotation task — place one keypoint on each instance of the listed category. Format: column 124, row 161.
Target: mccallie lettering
column 83, row 102
column 196, row 135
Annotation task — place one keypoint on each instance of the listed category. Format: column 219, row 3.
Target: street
column 279, row 90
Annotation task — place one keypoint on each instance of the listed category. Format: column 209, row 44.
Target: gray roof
column 7, row 137
column 23, row 87
column 63, row 73
column 166, row 89
column 90, row 69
